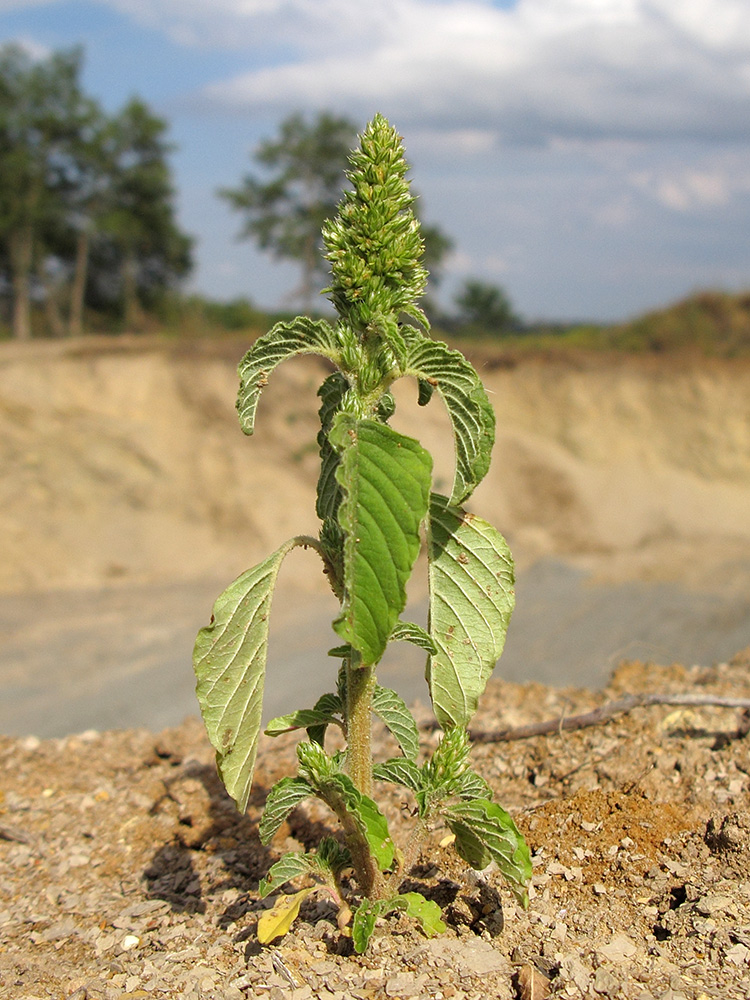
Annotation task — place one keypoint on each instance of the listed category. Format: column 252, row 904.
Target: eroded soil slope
column 126, row 873
column 122, row 459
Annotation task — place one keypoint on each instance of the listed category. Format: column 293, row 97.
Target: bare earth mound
column 125, row 871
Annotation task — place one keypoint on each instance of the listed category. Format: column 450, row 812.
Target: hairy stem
column 360, row 682
column 369, row 877
column 412, row 850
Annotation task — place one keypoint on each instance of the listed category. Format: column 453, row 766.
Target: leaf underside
column 486, row 832
column 437, row 367
column 385, row 478
column 285, row 340
column 283, row 797
column 391, row 709
column 471, row 581
column 229, row 660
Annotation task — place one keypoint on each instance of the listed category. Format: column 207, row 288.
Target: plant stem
column 411, row 854
column 360, row 682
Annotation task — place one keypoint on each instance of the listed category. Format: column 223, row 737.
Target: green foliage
column 375, row 507
column 87, row 215
column 484, row 307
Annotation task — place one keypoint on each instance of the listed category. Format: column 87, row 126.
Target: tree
column 86, row 200
column 485, row 306
column 138, row 250
column 42, row 110
column 305, row 169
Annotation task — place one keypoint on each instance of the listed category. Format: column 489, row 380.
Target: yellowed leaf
column 276, row 922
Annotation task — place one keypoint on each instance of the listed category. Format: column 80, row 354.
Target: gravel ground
column 125, row 872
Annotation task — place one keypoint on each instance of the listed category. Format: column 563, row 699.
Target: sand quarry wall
column 123, row 460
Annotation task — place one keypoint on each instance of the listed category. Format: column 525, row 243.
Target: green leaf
column 481, row 823
column 372, row 821
column 399, row 771
column 332, row 856
column 229, row 660
column 473, row 786
column 339, row 792
column 415, row 634
column 324, row 865
column 363, row 923
column 469, row 845
column 282, row 798
column 391, row 709
column 285, row 340
column 288, row 866
column 386, row 480
column 471, row 599
column 425, row 911
column 341, row 652
column 436, row 366
column 330, row 705
column 303, row 718
column 331, row 393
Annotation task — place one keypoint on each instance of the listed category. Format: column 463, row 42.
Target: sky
column 592, row 157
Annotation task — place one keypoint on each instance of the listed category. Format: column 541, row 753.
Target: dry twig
column 604, row 714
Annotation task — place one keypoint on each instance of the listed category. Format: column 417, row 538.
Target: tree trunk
column 21, row 245
column 133, row 313
column 78, row 291
column 51, row 303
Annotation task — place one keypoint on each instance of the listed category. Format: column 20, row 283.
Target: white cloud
column 544, row 69
column 696, row 186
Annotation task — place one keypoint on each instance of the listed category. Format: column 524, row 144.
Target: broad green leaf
column 425, row 911
column 288, row 866
column 331, row 393
column 469, row 845
column 481, row 822
column 276, row 922
column 285, row 340
column 415, row 634
column 363, row 923
column 283, row 797
column 473, row 786
column 371, row 820
column 471, row 599
column 385, row 477
column 330, row 705
column 324, row 865
column 391, row 708
column 303, row 718
column 436, row 366
column 399, row 771
column 229, row 660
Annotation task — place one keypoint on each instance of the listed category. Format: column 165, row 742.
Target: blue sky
column 591, row 156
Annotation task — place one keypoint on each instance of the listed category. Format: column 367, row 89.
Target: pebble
column 618, row 949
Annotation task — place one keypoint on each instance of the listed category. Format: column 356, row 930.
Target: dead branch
column 604, row 714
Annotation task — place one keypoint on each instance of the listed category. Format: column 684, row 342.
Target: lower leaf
column 230, row 666
column 485, row 831
column 276, row 922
